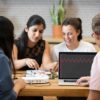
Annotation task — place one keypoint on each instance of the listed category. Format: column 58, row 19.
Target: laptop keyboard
column 70, row 80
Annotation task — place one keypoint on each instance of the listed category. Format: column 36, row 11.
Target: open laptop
column 73, row 65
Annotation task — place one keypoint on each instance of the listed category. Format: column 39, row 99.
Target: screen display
column 73, row 65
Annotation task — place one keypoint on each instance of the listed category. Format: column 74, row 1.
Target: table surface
column 52, row 89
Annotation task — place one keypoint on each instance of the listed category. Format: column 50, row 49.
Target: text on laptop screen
column 73, row 65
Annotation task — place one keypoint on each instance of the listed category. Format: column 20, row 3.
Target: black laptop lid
column 73, row 65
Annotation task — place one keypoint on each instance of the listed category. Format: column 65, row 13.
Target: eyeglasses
column 94, row 35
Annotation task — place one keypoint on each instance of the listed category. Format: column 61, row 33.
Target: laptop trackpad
column 67, row 82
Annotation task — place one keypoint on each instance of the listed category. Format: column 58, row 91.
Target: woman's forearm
column 20, row 63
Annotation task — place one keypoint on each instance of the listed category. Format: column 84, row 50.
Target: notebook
column 73, row 65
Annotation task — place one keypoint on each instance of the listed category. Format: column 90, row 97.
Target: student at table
column 94, row 79
column 9, row 90
column 31, row 51
column 72, row 36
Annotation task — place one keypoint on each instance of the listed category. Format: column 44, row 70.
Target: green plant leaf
column 57, row 15
column 60, row 14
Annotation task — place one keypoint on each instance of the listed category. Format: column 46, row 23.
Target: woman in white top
column 72, row 35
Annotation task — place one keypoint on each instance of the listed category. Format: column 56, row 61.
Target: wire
column 40, row 84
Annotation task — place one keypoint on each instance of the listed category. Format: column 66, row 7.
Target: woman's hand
column 83, row 81
column 51, row 66
column 55, row 68
column 31, row 63
column 19, row 84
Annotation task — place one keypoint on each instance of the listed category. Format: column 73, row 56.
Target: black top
column 35, row 53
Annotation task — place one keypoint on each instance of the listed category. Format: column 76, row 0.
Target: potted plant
column 57, row 15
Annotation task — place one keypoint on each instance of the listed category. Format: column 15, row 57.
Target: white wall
column 20, row 10
column 85, row 9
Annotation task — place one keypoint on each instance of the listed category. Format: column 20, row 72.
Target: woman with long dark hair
column 31, row 51
column 8, row 89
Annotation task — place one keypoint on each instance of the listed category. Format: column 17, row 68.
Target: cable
column 40, row 84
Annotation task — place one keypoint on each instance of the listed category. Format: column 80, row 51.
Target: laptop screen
column 73, row 65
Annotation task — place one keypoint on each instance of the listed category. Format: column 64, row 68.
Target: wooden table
column 52, row 89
